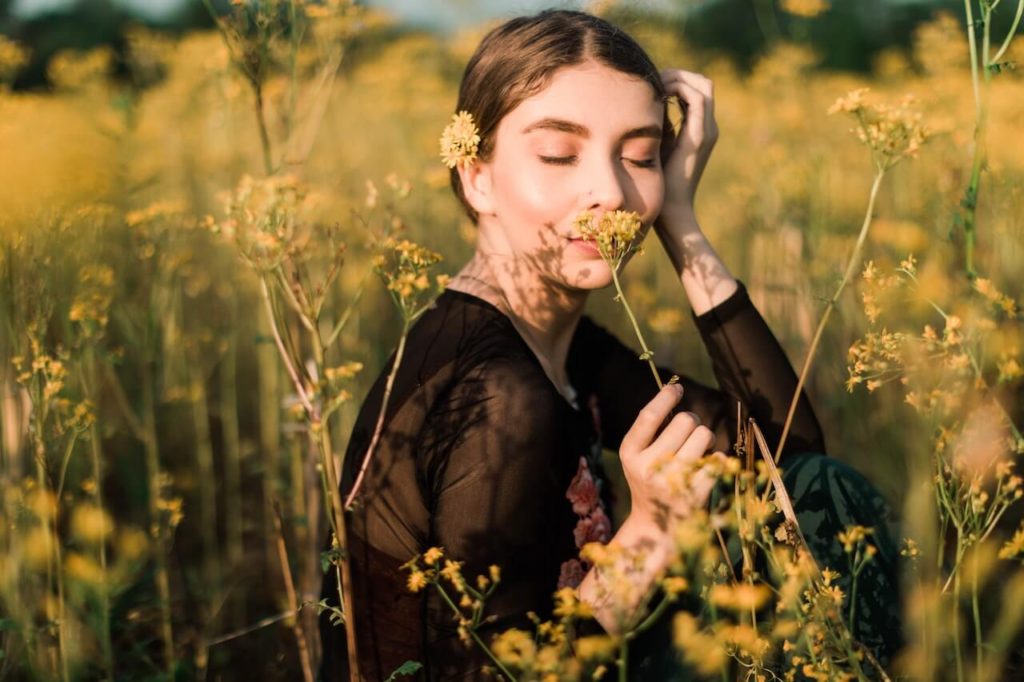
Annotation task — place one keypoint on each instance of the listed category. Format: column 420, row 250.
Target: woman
column 507, row 392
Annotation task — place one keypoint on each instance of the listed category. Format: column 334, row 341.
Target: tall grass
column 172, row 414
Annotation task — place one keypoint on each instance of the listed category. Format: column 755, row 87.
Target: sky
column 443, row 14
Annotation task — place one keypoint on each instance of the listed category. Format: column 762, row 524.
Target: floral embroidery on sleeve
column 593, row 524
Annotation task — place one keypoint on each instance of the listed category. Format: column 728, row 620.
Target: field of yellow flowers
column 190, row 292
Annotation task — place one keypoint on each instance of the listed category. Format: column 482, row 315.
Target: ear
column 476, row 186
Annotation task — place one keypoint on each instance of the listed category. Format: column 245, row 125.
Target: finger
column 693, row 122
column 683, row 82
column 697, row 444
column 650, row 419
column 675, row 434
column 699, row 126
column 700, row 82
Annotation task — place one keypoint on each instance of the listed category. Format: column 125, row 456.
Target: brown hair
column 517, row 59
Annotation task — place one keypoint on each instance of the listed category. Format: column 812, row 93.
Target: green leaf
column 407, row 668
column 328, row 557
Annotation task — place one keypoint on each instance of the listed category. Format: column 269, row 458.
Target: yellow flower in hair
column 460, row 141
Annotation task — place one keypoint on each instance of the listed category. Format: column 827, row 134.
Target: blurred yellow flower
column 71, row 69
column 91, row 523
column 804, row 8
column 514, row 647
column 83, row 569
column 698, row 648
column 12, row 57
column 739, row 597
column 666, row 320
column 892, row 132
column 595, row 648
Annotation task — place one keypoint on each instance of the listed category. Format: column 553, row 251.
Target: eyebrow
column 563, row 126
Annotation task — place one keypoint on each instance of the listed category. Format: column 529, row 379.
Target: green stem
column 475, row 636
column 853, row 602
column 651, row 618
column 338, row 515
column 647, row 354
column 210, row 564
column 231, row 439
column 850, row 267
column 764, row 14
column 379, row 427
column 90, row 387
column 346, row 316
column 161, row 577
column 976, row 613
column 623, row 662
column 969, row 203
column 956, row 623
column 1009, row 36
column 261, row 122
column 106, row 643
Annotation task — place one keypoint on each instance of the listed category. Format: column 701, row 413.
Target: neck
column 544, row 314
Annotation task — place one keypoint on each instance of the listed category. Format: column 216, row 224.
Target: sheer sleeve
column 496, row 469
column 749, row 365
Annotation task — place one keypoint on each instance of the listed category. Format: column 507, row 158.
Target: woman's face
column 589, row 141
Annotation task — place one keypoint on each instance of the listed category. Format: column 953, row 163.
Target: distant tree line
column 847, row 35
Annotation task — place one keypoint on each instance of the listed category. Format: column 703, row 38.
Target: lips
column 584, row 246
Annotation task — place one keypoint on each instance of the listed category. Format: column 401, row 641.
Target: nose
column 605, row 186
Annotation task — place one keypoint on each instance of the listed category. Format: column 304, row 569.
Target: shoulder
column 476, row 357
column 463, row 331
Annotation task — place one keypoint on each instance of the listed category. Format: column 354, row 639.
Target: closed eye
column 642, row 163
column 558, row 160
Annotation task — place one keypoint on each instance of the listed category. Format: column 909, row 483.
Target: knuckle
column 706, row 436
column 703, row 432
column 648, row 414
column 687, row 418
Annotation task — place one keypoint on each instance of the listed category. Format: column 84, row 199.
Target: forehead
column 592, row 94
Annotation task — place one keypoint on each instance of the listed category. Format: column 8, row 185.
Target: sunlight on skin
column 590, row 142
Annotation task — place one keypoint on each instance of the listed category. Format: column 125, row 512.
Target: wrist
column 640, row 531
column 678, row 218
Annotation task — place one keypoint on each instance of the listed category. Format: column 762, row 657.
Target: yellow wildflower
column 1013, row 547
column 852, row 536
column 432, row 555
column 828, row 575
column 460, row 141
column 417, row 581
column 892, row 132
column 453, row 572
column 614, row 235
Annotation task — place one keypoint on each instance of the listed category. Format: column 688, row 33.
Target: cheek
column 530, row 198
column 650, row 193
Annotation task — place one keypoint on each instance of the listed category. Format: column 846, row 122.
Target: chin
column 589, row 275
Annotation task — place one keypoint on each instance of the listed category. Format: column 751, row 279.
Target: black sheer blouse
column 479, row 450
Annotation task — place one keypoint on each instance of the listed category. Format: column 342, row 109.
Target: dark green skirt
column 828, row 496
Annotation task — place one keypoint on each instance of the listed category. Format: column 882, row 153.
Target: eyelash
column 571, row 160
